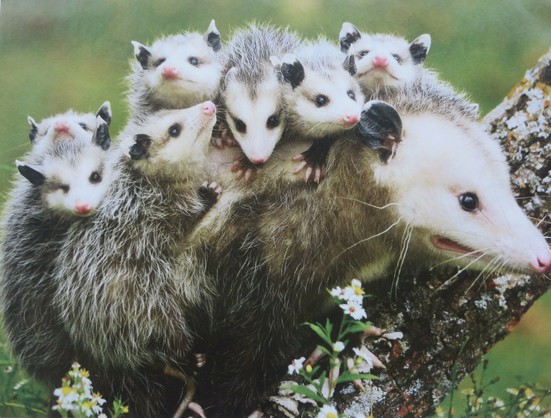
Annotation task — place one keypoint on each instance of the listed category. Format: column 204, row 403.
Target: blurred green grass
column 60, row 54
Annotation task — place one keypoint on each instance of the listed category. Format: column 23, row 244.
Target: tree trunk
column 449, row 324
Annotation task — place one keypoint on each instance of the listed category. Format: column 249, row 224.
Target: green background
column 61, row 54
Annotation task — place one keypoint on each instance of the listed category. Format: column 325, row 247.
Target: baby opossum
column 383, row 63
column 120, row 292
column 250, row 93
column 63, row 183
column 276, row 249
column 321, row 99
column 175, row 72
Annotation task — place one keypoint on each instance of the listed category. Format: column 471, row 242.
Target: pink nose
column 82, row 209
column 170, row 73
column 257, row 160
column 542, row 263
column 61, row 126
column 351, row 119
column 208, row 108
column 380, row 62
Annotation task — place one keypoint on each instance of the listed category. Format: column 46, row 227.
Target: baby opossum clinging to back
column 250, row 93
column 175, row 72
column 384, row 63
column 65, row 179
column 120, row 292
column 321, row 100
column 377, row 211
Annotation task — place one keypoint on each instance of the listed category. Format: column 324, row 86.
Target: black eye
column 193, row 61
column 397, row 58
column 321, row 100
column 240, row 126
column 83, row 126
column 351, row 95
column 175, row 130
column 363, row 53
column 468, row 201
column 95, row 177
column 159, row 62
column 272, row 121
column 64, row 188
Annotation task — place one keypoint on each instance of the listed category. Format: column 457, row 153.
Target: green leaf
column 321, row 332
column 357, row 327
column 349, row 377
column 304, row 391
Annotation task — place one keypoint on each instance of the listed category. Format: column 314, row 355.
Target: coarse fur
column 277, row 247
column 251, row 95
column 175, row 72
column 121, row 295
column 67, row 180
column 384, row 64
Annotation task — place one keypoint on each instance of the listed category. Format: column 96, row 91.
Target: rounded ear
column 142, row 54
column 33, row 132
column 419, row 48
column 380, row 128
column 292, row 70
column 105, row 112
column 101, row 135
column 30, row 173
column 230, row 75
column 348, row 35
column 140, row 149
column 212, row 37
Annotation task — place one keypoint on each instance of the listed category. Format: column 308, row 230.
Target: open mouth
column 449, row 245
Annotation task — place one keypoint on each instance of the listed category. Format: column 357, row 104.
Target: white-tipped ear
column 137, row 47
column 289, row 59
column 105, row 112
column 419, row 48
column 31, row 121
column 34, row 129
column 230, row 75
column 348, row 35
column 424, row 40
column 212, row 37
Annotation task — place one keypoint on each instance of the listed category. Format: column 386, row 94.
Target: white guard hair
column 436, row 163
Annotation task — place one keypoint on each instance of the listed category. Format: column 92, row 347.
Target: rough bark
column 449, row 325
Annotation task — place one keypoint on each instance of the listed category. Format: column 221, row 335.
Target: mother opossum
column 427, row 178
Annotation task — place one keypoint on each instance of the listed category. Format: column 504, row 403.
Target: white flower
column 364, row 355
column 354, row 292
column 296, row 366
column 354, row 309
column 338, row 346
column 338, row 292
column 328, row 411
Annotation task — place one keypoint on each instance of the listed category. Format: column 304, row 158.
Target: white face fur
column 256, row 122
column 182, row 70
column 453, row 188
column 76, row 187
column 171, row 140
column 323, row 105
column 384, row 60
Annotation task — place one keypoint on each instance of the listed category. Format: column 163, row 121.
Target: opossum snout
column 169, row 73
column 542, row 262
column 208, row 108
column 380, row 61
column 83, row 209
column 351, row 119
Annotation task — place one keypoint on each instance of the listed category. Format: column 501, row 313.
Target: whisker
column 367, row 239
column 459, row 257
column 406, row 239
column 453, row 279
column 495, row 260
column 368, row 204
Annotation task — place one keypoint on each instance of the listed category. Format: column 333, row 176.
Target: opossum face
column 451, row 186
column 320, row 103
column 73, row 177
column 181, row 69
column 68, row 125
column 171, row 140
column 255, row 116
column 383, row 60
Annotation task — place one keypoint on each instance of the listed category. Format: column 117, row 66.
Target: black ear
column 105, row 112
column 350, row 64
column 31, row 174
column 292, row 70
column 34, row 129
column 101, row 135
column 380, row 128
column 349, row 34
column 142, row 54
column 419, row 48
column 140, row 149
column 213, row 37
